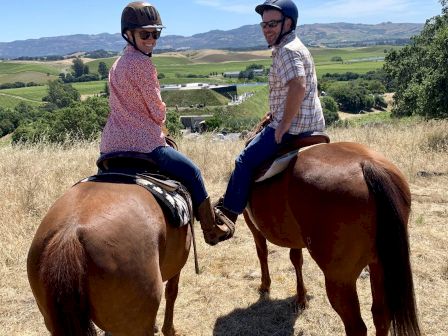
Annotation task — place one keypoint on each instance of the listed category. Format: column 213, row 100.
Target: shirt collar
column 284, row 41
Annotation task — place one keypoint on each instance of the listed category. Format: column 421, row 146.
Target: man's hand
column 281, row 129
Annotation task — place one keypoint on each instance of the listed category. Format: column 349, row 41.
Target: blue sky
column 27, row 19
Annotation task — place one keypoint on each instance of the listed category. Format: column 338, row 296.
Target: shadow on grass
column 265, row 317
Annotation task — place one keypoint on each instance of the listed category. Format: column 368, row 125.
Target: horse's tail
column 63, row 270
column 393, row 202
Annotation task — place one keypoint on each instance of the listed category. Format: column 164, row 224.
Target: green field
column 8, row 101
column 41, row 72
column 324, row 55
column 34, row 93
column 358, row 67
column 175, row 68
column 90, row 88
column 159, row 61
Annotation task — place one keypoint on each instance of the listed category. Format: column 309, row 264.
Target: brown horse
column 101, row 255
column 349, row 207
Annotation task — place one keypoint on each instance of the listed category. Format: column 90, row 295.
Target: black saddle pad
column 171, row 195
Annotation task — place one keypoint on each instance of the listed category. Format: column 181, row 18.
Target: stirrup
column 222, row 219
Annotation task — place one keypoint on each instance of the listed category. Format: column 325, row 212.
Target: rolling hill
column 245, row 37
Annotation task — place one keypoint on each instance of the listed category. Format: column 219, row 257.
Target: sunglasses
column 144, row 34
column 270, row 24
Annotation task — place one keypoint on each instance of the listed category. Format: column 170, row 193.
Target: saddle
column 287, row 152
column 136, row 168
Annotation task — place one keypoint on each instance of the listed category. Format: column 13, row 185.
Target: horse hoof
column 264, row 293
column 299, row 307
column 171, row 332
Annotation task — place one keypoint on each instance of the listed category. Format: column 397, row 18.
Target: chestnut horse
column 349, row 207
column 101, row 255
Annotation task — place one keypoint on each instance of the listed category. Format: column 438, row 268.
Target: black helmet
column 287, row 7
column 140, row 15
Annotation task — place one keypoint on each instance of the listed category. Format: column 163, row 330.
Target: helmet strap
column 281, row 35
column 134, row 44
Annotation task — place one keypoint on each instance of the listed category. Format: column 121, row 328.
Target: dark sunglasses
column 270, row 24
column 144, row 34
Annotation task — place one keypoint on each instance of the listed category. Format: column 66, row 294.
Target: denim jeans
column 262, row 148
column 180, row 168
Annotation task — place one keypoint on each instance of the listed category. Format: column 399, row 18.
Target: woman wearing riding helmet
column 293, row 101
column 137, row 113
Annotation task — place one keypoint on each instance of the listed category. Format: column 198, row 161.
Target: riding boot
column 222, row 213
column 213, row 232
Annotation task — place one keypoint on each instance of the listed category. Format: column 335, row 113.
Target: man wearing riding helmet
column 137, row 113
column 293, row 100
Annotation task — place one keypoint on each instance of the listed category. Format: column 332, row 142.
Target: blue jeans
column 180, row 168
column 261, row 148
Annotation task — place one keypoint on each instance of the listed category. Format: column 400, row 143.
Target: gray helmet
column 286, row 7
column 140, row 15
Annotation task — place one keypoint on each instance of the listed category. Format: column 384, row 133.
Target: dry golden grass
column 223, row 300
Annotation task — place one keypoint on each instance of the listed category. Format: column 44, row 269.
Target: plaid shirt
column 291, row 59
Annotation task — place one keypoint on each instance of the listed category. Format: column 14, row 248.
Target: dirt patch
column 217, row 56
column 346, row 115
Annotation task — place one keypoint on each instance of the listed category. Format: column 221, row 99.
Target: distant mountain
column 245, row 37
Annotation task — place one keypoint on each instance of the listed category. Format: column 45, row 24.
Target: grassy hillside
column 256, row 106
column 357, row 67
column 38, row 72
column 322, row 55
column 193, row 97
column 10, row 101
column 34, row 93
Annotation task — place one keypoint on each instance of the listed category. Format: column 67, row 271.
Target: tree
column 419, row 72
column 336, row 59
column 61, row 95
column 173, row 123
column 81, row 120
column 78, row 67
column 352, row 97
column 330, row 109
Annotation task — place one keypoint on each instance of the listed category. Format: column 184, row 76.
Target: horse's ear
column 265, row 120
column 170, row 141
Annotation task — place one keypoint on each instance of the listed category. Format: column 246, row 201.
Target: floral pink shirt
column 137, row 112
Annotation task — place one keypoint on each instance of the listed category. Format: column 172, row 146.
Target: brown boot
column 224, row 215
column 213, row 232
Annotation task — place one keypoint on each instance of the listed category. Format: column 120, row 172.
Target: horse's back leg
column 296, row 257
column 344, row 300
column 171, row 290
column 381, row 316
column 262, row 253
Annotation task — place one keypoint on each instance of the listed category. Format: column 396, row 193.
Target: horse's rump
column 102, row 248
column 349, row 206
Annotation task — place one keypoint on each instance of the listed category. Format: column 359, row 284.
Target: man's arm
column 296, row 93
